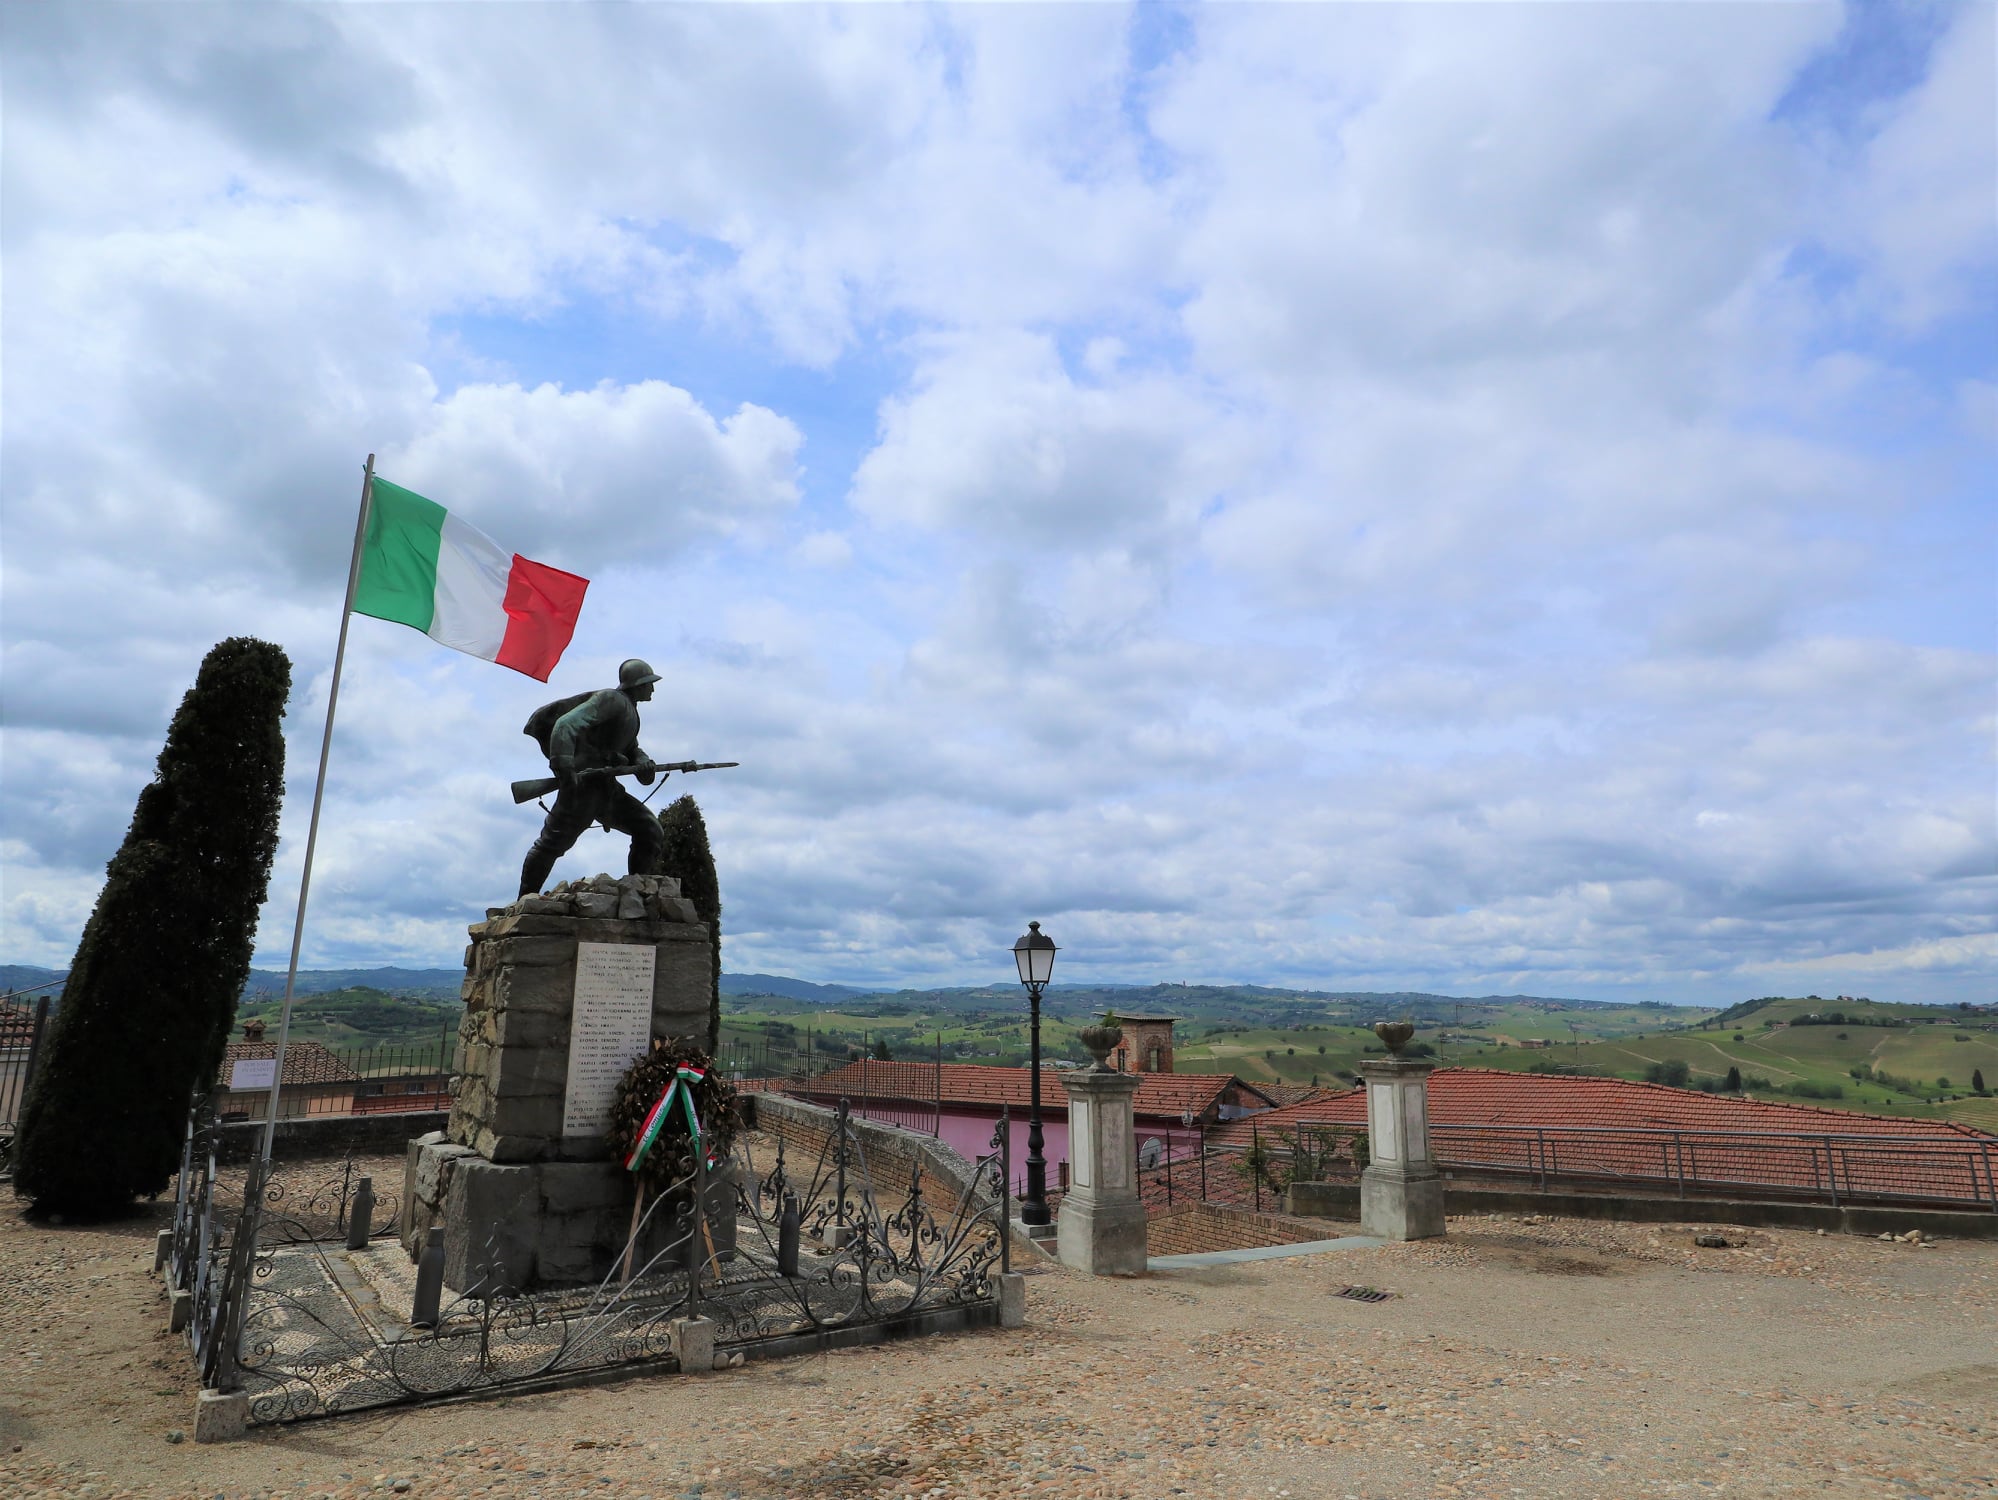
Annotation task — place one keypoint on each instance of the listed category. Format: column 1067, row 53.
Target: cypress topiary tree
column 689, row 860
column 152, row 990
column 1977, row 1079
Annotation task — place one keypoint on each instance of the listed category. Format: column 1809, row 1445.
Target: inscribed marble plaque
column 611, row 1026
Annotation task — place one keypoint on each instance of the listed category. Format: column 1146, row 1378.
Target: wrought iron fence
column 21, row 1030
column 824, row 1251
column 390, row 1078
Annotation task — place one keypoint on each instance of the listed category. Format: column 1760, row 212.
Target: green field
column 1909, row 1053
column 349, row 1020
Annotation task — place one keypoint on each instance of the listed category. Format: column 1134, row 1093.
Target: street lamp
column 1034, row 954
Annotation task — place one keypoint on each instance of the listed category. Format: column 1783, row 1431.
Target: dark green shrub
column 152, row 991
column 689, row 860
column 1674, row 1073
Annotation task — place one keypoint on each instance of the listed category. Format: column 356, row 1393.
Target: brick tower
column 1147, row 1044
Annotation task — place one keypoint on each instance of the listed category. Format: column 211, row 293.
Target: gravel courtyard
column 1519, row 1358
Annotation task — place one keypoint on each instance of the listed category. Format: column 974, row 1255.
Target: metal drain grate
column 1364, row 1294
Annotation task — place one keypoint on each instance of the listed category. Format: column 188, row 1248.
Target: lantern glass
column 1034, row 954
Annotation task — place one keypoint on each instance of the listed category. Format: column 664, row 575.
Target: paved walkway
column 1263, row 1252
column 1544, row 1359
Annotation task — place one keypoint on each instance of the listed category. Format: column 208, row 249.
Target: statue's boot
column 535, row 870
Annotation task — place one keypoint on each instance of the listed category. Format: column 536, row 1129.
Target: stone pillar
column 514, row 1184
column 1401, row 1192
column 1102, row 1225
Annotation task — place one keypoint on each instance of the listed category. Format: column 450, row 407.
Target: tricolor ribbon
column 685, row 1078
column 655, row 1121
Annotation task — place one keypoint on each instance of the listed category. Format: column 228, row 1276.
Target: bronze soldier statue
column 589, row 740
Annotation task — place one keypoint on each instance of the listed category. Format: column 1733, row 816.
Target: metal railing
column 394, row 1078
column 1828, row 1167
column 22, row 1030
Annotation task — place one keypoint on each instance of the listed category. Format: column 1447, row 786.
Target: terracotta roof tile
column 304, row 1062
column 1492, row 1096
column 1753, row 1149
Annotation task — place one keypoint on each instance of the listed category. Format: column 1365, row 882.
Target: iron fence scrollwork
column 283, row 1310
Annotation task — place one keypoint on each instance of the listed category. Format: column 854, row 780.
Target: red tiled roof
column 1295, row 1093
column 1491, row 1096
column 1160, row 1095
column 304, row 1062
column 1600, row 1129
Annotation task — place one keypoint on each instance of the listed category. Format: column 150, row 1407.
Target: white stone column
column 1401, row 1192
column 1102, row 1225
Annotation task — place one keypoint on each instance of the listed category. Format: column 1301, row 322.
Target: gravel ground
column 1537, row 1357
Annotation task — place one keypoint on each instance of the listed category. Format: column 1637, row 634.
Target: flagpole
column 318, row 794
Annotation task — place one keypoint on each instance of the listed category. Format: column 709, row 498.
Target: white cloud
column 1376, row 498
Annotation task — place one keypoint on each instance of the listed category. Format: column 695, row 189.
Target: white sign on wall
column 610, row 1027
column 253, row 1073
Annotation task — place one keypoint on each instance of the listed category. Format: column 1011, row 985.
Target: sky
column 1480, row 499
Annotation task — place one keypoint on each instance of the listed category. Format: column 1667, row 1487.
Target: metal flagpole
column 318, row 793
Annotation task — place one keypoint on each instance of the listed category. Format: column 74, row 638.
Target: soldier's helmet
column 635, row 673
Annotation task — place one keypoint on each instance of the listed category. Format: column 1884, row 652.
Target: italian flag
column 422, row 566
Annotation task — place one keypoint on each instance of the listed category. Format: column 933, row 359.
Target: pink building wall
column 969, row 1133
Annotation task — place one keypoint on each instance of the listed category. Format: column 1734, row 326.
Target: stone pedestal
column 520, row 1181
column 1401, row 1192
column 1101, row 1229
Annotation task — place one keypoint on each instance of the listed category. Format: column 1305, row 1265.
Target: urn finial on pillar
column 1102, row 1225
column 1401, row 1192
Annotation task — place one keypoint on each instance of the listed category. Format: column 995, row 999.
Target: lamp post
column 1034, row 954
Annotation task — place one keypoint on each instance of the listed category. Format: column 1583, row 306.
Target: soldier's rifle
column 541, row 786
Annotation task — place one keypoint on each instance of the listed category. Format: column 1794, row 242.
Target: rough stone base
column 220, row 1416
column 520, row 986
column 1103, row 1239
column 549, row 1223
column 1395, row 1206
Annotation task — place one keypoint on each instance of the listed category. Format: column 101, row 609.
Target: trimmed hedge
column 151, row 995
column 689, row 860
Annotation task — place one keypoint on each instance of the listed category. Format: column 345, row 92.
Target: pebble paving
column 1520, row 1357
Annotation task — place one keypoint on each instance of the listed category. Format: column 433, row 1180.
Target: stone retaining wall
column 329, row 1136
column 1198, row 1228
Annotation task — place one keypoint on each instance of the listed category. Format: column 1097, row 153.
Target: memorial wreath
column 672, row 1112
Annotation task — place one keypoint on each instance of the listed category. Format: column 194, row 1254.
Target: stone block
column 1101, row 1238
column 694, row 1344
column 567, row 1259
column 162, row 1250
column 678, row 909
column 583, row 1187
column 523, row 1072
column 221, row 1416
column 1011, row 1294
column 434, row 1162
column 532, row 952
column 541, row 906
column 630, row 906
column 550, row 989
column 526, row 1114
column 490, row 1223
column 180, row 1307
column 1401, row 1206
column 530, row 1029
column 597, row 904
